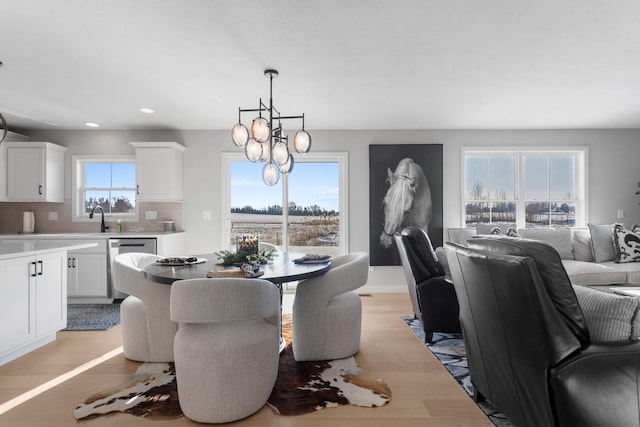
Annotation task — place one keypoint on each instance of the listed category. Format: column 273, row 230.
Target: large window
column 314, row 195
column 108, row 182
column 532, row 188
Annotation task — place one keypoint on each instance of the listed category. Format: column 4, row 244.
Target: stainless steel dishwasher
column 124, row 245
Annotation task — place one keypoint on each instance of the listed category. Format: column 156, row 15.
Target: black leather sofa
column 432, row 296
column 528, row 345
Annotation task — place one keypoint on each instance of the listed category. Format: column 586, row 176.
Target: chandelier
column 267, row 142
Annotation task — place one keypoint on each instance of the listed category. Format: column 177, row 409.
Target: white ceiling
column 347, row 64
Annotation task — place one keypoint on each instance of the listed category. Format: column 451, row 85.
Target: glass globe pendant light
column 287, row 166
column 302, row 142
column 260, row 129
column 240, row 135
column 3, row 123
column 280, row 153
column 253, row 150
column 270, row 174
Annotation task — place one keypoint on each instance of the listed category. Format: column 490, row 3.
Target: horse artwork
column 405, row 188
column 407, row 201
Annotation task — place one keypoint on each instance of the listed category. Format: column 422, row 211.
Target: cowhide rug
column 301, row 388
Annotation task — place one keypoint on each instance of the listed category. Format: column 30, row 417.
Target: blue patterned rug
column 92, row 317
column 449, row 350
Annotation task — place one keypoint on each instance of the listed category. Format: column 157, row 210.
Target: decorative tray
column 174, row 261
column 313, row 259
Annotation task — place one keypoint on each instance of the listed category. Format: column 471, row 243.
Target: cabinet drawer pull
column 41, row 268
column 68, row 262
column 137, row 189
column 73, row 263
column 34, row 269
column 40, row 189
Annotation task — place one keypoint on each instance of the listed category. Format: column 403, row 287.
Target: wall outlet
column 620, row 214
column 53, row 216
column 206, row 215
column 150, row 215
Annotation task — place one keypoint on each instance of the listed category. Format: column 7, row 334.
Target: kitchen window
column 109, row 182
column 531, row 188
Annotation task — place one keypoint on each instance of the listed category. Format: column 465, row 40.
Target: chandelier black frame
column 267, row 143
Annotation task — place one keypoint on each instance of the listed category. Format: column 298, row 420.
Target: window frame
column 78, row 186
column 581, row 155
column 342, row 158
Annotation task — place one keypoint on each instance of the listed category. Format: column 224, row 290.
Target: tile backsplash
column 56, row 218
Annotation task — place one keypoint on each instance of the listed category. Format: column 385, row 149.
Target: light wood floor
column 424, row 394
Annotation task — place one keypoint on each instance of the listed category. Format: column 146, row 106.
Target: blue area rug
column 449, row 350
column 92, row 317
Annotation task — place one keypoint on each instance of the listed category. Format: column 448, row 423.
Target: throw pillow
column 484, row 228
column 582, row 250
column 511, row 232
column 627, row 243
column 602, row 242
column 610, row 317
column 559, row 238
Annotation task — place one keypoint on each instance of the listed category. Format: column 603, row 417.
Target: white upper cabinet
column 35, row 172
column 158, row 171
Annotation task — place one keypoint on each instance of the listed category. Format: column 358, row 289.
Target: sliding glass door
column 314, row 220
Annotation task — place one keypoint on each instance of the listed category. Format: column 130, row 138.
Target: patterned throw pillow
column 511, row 232
column 627, row 243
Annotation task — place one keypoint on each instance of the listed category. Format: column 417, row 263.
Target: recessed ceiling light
column 92, row 124
column 147, row 110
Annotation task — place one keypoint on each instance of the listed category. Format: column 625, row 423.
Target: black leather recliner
column 527, row 342
column 433, row 298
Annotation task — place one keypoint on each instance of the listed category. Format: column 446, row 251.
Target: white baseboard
column 21, row 351
column 97, row 300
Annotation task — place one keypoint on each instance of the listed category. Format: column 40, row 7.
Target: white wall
column 613, row 173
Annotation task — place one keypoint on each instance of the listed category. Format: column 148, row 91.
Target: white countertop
column 84, row 235
column 37, row 247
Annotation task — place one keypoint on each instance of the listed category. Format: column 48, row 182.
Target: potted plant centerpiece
column 248, row 256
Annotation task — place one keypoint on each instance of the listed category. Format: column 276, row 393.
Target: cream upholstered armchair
column 147, row 330
column 227, row 350
column 327, row 312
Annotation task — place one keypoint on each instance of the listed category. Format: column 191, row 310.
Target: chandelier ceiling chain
column 266, row 142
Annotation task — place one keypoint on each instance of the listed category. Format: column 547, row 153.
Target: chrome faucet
column 103, row 228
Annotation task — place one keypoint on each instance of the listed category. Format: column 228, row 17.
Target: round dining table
column 280, row 270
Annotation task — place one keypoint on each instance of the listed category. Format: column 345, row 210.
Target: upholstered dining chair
column 227, row 350
column 327, row 312
column 147, row 330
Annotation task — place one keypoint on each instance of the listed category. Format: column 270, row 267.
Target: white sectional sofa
column 588, row 254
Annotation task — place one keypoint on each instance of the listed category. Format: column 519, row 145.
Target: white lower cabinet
column 50, row 293
column 86, row 275
column 16, row 303
column 87, row 272
column 33, row 294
